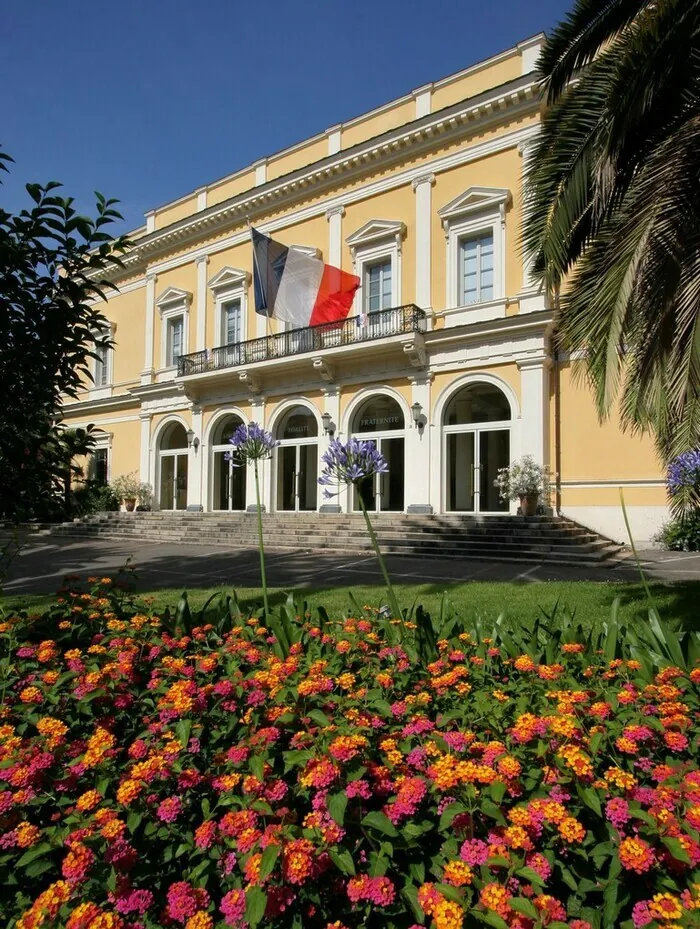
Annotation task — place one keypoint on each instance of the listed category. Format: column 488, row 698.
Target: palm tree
column 612, row 217
column 71, row 444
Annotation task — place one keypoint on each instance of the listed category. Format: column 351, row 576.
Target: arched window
column 297, row 423
column 477, row 403
column 476, row 430
column 378, row 414
column 225, row 428
column 174, row 436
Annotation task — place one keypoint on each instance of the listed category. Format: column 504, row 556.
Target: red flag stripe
column 334, row 297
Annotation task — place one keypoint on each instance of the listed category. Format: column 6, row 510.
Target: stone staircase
column 550, row 539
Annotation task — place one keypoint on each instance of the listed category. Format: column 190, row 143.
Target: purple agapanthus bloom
column 351, row 462
column 684, row 472
column 250, row 443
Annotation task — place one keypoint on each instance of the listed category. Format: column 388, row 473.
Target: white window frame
column 228, row 285
column 377, row 240
column 478, row 211
column 475, row 237
column 102, row 391
column 172, row 304
column 366, row 268
column 103, row 442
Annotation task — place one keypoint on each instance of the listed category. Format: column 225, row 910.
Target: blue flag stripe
column 268, row 268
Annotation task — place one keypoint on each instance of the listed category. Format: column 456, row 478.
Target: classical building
column 445, row 360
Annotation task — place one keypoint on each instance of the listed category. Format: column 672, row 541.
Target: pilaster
column 331, row 395
column 422, row 187
column 145, row 448
column 201, row 304
column 335, row 235
column 534, row 403
column 417, row 454
column 148, row 365
column 194, row 463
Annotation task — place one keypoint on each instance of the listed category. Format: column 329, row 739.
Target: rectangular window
column 175, row 332
column 100, row 467
column 476, row 269
column 231, row 323
column 377, row 286
column 101, row 366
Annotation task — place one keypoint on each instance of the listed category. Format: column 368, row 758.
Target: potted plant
column 144, row 497
column 526, row 481
column 126, row 488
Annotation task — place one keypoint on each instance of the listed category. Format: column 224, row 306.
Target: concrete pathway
column 41, row 566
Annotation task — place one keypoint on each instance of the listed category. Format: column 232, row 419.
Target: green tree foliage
column 52, row 265
column 613, row 206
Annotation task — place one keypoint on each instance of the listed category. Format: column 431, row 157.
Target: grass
column 520, row 602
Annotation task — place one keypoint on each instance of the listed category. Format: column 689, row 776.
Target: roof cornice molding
column 449, row 124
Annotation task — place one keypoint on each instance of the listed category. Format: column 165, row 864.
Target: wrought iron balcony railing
column 395, row 321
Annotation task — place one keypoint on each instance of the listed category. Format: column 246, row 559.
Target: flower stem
column 261, row 544
column 393, row 601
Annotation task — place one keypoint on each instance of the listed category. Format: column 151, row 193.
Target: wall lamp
column 417, row 413
column 192, row 440
column 328, row 425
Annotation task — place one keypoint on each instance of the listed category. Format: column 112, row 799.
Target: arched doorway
column 476, row 429
column 172, row 463
column 380, row 420
column 228, row 482
column 297, row 460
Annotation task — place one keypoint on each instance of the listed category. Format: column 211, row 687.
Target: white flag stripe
column 298, row 288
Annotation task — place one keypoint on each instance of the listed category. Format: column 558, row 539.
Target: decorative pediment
column 229, row 278
column 375, row 231
column 173, row 296
column 475, row 200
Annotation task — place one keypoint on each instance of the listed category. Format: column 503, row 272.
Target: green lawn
column 521, row 602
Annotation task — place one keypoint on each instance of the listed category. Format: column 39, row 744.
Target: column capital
column 533, row 362
column 422, row 179
column 202, row 260
column 151, row 277
column 335, row 211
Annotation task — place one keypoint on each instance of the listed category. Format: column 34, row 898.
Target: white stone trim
column 334, row 135
column 154, row 453
column 534, row 398
column 477, row 210
column 273, row 422
column 423, row 98
column 202, row 198
column 173, row 303
column 103, row 440
column 230, row 284
column 461, row 157
column 208, row 449
column 201, row 311
column 375, row 240
column 103, row 391
column 260, row 172
column 144, row 449
column 635, row 482
column 518, row 96
column 530, row 52
column 150, row 221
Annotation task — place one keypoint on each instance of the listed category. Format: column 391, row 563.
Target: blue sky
column 145, row 100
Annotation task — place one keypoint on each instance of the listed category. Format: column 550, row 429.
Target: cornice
column 449, row 124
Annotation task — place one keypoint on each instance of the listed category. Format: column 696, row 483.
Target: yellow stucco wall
column 285, row 162
column 230, row 187
column 172, row 214
column 128, row 313
column 591, row 450
column 476, row 82
column 378, row 123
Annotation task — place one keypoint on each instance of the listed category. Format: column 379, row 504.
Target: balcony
column 400, row 320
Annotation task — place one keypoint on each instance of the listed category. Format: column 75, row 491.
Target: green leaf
column 36, row 851
column 410, row 892
column 380, row 822
column 449, row 813
column 676, row 849
column 268, row 860
column 590, row 798
column 342, row 860
column 522, row 905
column 319, row 718
column 257, row 767
column 38, row 867
column 133, row 821
column 497, row 791
column 336, row 806
column 255, row 903
column 182, row 731
column 489, row 808
column 531, row 875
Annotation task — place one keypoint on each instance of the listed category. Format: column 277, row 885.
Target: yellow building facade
column 445, row 360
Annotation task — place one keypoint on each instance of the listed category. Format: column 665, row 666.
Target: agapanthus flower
column 250, row 443
column 351, row 462
column 684, row 472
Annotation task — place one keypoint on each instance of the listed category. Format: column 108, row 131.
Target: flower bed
column 154, row 779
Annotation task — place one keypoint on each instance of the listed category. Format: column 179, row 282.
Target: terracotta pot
column 130, row 505
column 528, row 504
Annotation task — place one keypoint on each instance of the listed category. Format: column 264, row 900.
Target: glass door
column 173, row 481
column 297, row 473
column 228, row 484
column 472, row 460
column 460, row 467
column 384, row 493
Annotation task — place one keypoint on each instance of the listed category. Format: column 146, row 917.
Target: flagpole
column 255, row 262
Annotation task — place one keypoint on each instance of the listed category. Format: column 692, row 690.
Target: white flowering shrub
column 523, row 478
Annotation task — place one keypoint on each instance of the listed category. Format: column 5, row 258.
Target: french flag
column 297, row 288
